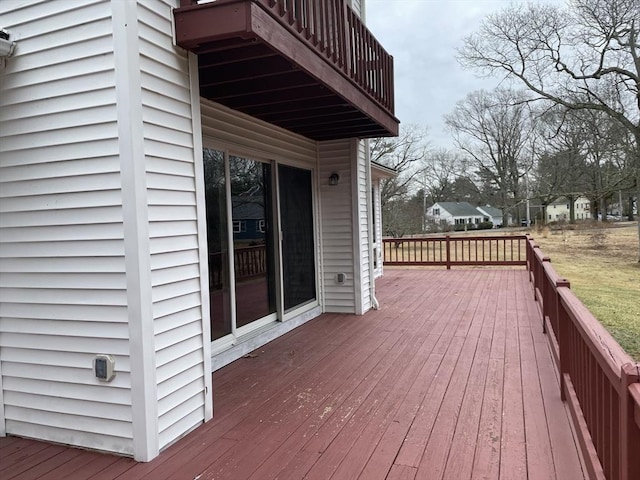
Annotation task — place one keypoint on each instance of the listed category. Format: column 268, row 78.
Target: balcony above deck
column 309, row 66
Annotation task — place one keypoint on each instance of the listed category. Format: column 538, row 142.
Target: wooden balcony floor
column 451, row 378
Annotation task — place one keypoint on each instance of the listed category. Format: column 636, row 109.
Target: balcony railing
column 334, row 31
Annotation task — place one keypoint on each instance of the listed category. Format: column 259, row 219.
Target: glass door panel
column 296, row 219
column 253, row 239
column 218, row 243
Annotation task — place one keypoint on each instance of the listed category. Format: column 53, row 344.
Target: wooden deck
column 451, row 378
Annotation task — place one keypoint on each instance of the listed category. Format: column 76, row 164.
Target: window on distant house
column 436, row 211
column 261, row 226
column 239, row 226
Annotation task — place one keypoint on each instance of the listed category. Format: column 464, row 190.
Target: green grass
column 602, row 266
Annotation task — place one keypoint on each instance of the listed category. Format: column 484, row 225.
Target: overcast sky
column 422, row 36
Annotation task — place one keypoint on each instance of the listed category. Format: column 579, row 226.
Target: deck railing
column 334, row 31
column 249, row 262
column 456, row 251
column 598, row 380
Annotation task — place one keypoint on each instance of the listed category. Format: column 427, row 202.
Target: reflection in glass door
column 218, row 240
column 253, row 239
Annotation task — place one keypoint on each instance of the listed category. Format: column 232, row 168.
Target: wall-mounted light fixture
column 334, row 179
column 6, row 45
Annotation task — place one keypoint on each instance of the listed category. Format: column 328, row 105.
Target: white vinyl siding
column 377, row 212
column 173, row 229
column 358, row 7
column 337, row 225
column 239, row 132
column 63, row 295
column 362, row 238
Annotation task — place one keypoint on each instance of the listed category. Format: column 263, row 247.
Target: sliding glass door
column 260, row 241
column 296, row 217
column 253, row 239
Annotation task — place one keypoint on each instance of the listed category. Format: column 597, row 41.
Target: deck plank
column 513, row 458
column 461, row 454
column 565, row 459
column 540, row 462
column 452, row 378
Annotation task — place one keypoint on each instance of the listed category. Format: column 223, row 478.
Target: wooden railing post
column 347, row 47
column 562, row 335
column 535, row 270
column 629, row 430
column 448, row 251
column 545, row 292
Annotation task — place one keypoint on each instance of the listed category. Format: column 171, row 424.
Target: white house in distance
column 491, row 214
column 558, row 210
column 131, row 133
column 455, row 213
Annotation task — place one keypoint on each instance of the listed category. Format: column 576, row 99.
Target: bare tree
column 586, row 57
column 495, row 130
column 438, row 174
column 404, row 154
column 561, row 165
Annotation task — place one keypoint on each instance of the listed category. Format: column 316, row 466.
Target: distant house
column 455, row 213
column 558, row 210
column 249, row 218
column 492, row 214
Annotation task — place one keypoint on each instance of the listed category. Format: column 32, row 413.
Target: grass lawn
column 602, row 266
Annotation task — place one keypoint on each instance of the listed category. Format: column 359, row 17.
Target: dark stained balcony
column 310, row 66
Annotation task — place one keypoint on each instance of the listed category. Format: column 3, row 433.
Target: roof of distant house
column 560, row 201
column 248, row 208
column 491, row 211
column 459, row 209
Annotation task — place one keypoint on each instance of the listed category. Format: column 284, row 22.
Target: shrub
column 485, row 225
column 464, row 227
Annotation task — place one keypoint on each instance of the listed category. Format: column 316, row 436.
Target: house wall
column 63, row 296
column 362, row 232
column 179, row 284
column 239, row 132
column 101, row 248
column 337, row 220
column 377, row 211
